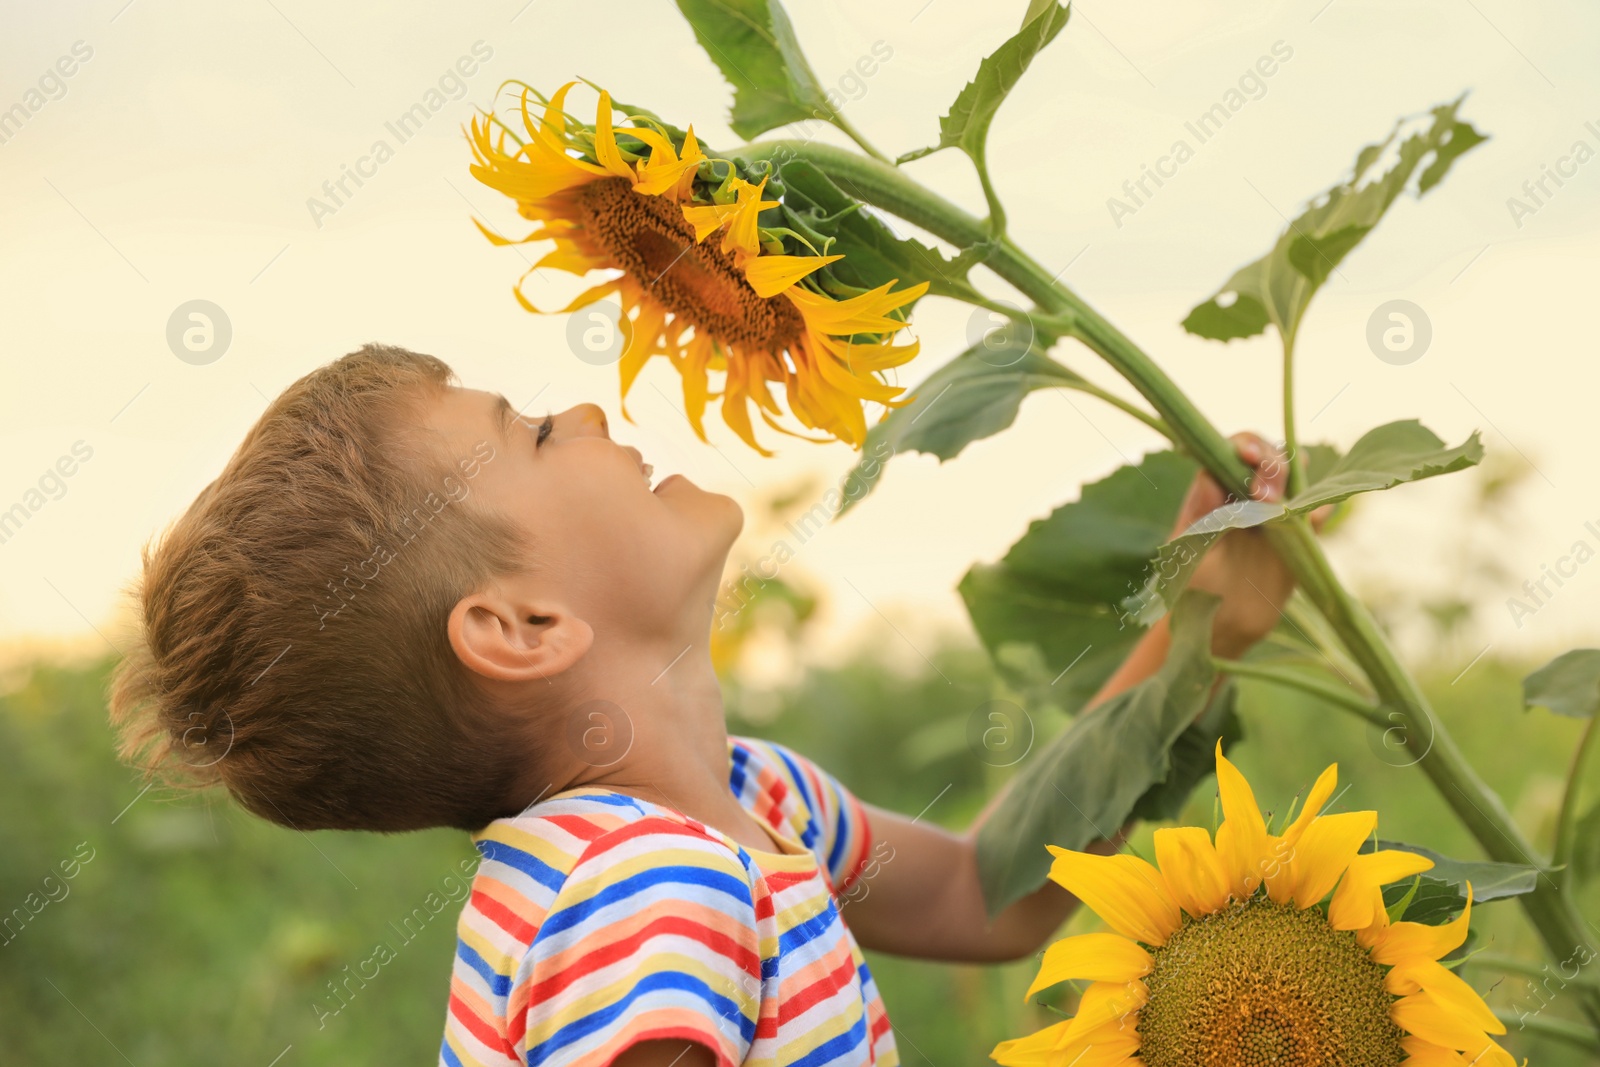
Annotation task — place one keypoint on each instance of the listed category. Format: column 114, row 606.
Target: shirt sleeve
column 830, row 820
column 651, row 936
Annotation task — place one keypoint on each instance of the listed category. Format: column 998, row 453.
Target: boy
column 402, row 605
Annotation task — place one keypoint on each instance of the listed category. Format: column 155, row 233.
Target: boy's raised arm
column 923, row 896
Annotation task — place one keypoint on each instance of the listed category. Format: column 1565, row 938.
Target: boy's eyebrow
column 505, row 412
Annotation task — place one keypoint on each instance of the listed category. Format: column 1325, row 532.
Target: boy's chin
column 719, row 515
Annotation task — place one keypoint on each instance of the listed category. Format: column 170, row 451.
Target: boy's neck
column 667, row 743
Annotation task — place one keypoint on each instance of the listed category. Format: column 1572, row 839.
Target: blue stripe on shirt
column 715, row 880
column 813, row 804
column 718, row 1005
column 499, row 984
column 526, row 862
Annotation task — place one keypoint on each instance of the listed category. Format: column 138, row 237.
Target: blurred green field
column 198, row 935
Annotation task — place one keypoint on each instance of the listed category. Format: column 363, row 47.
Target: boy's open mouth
column 644, row 468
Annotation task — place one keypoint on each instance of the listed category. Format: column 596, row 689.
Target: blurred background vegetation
column 196, row 934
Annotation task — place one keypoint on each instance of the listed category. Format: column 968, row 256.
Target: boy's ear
column 511, row 641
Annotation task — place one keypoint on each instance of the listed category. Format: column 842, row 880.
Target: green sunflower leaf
column 753, row 44
column 1087, row 781
column 1194, row 756
column 873, row 253
column 1397, row 910
column 966, row 124
column 1061, row 586
column 1278, row 287
column 1422, row 900
column 1391, row 455
column 1567, row 685
column 975, row 395
column 1442, row 892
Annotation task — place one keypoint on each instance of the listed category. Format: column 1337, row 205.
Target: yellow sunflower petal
column 662, row 172
column 541, row 233
column 554, row 121
column 737, row 393
column 1447, row 988
column 691, row 150
column 1424, row 1017
column 707, row 219
column 1109, row 1045
column 1321, row 790
column 1125, row 891
column 742, row 237
column 1090, row 958
column 1420, row 1053
column 569, row 259
column 1324, row 853
column 696, row 390
column 836, row 365
column 641, row 346
column 1035, row 1050
column 605, row 141
column 1404, row 942
column 866, row 313
column 1358, row 902
column 1105, row 1004
column 583, row 299
column 1242, row 841
column 1193, row 871
column 771, row 275
column 531, row 174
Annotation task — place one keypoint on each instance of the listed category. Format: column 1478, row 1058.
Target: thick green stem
column 1478, row 807
column 1562, row 855
column 1552, row 913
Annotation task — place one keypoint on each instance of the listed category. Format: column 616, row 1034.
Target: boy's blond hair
column 293, row 642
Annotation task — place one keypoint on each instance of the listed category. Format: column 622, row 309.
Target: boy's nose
column 585, row 420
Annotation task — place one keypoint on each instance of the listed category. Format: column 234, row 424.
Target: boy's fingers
column 1320, row 516
column 1250, row 446
column 1271, row 467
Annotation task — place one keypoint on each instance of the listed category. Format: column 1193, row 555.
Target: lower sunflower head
column 711, row 273
column 1232, row 953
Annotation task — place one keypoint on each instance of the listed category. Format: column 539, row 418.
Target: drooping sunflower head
column 1258, row 948
column 710, row 269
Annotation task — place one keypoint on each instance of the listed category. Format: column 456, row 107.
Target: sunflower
column 756, row 305
column 1225, row 954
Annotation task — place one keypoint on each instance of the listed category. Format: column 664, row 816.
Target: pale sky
column 176, row 161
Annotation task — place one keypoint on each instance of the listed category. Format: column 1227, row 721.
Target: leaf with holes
column 1277, row 288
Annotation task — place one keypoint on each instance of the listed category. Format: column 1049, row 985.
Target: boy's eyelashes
column 542, row 430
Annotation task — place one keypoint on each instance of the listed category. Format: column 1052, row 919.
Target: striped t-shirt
column 598, row 920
